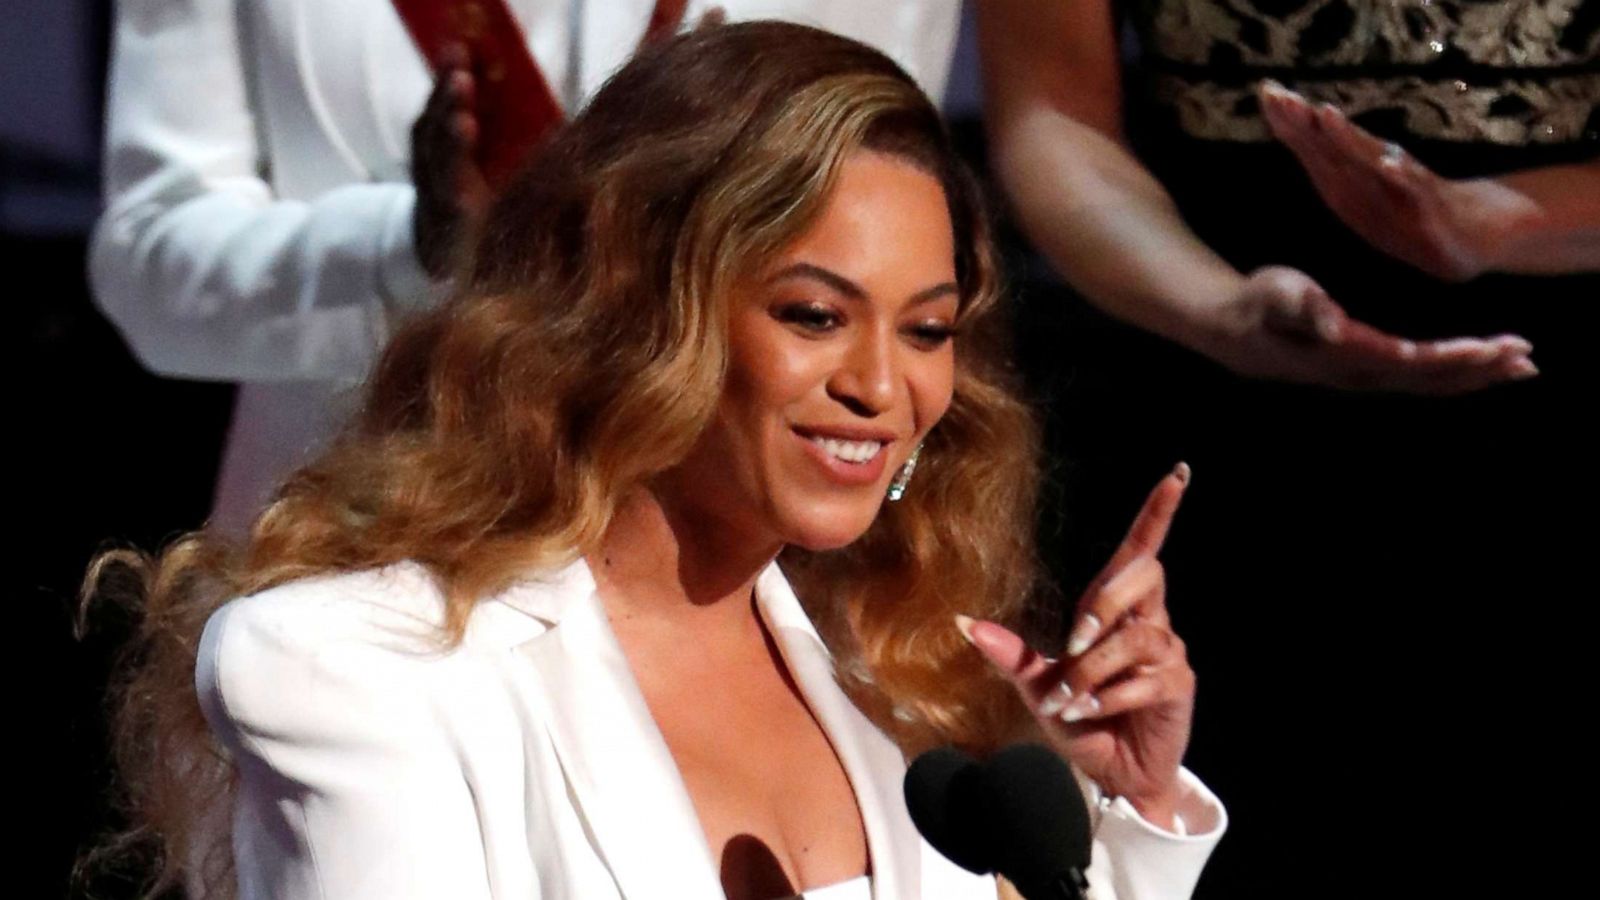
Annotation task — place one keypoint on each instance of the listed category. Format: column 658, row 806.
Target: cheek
column 933, row 389
column 770, row 372
column 769, row 364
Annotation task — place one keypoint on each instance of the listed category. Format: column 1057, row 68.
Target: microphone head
column 942, row 789
column 1035, row 806
column 1020, row 814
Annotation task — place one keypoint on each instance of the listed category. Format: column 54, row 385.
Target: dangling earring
column 897, row 487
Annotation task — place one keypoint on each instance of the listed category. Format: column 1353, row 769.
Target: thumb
column 1296, row 305
column 1327, row 318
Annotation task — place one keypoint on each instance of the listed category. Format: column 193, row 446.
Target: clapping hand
column 452, row 193
column 1281, row 324
column 1451, row 229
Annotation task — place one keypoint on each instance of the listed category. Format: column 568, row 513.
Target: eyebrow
column 854, row 291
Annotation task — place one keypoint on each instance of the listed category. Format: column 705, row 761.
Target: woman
column 521, row 631
column 1266, row 229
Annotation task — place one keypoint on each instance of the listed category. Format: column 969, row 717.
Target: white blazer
column 524, row 763
column 258, row 196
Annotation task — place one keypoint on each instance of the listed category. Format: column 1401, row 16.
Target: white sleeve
column 205, row 271
column 1135, row 860
column 349, row 785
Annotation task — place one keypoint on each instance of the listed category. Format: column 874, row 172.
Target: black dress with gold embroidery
column 1512, row 74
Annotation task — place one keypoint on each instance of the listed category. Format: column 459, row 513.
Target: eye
column 930, row 334
column 808, row 317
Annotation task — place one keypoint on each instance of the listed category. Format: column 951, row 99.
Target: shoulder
column 397, row 609
column 325, row 656
column 363, row 653
column 403, row 599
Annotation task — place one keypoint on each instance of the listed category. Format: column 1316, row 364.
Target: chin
column 829, row 526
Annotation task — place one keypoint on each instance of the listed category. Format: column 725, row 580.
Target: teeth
column 849, row 451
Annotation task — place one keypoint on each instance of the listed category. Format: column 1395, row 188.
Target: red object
column 516, row 108
column 665, row 17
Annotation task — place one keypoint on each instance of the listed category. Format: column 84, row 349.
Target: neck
column 664, row 560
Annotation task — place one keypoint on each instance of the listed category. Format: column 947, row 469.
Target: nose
column 865, row 380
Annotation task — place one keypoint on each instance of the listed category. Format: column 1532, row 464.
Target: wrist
column 1184, row 808
column 1209, row 322
column 1205, row 317
column 1502, row 227
column 1160, row 810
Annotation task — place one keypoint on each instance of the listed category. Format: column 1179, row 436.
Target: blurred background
column 111, row 455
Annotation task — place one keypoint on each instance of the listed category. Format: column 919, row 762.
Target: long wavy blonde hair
column 582, row 354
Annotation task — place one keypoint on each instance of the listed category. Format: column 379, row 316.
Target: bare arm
column 1053, row 108
column 1053, row 100
column 1560, row 230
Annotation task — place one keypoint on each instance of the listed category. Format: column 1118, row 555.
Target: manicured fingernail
column 964, row 625
column 1082, row 708
column 1083, row 634
column 1056, row 700
column 1183, row 472
column 1274, row 88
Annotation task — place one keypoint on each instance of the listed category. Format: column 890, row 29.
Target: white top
column 854, row 889
column 258, row 201
column 524, row 762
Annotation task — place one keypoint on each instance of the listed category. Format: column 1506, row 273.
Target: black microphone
column 1020, row 814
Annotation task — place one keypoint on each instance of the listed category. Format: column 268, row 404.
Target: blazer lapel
column 626, row 785
column 871, row 761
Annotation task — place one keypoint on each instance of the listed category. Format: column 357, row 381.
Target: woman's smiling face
column 840, row 360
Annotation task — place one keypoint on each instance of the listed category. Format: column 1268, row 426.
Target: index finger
column 1147, row 533
column 1349, row 139
column 1149, row 529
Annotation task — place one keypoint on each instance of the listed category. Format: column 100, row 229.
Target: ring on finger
column 1393, row 154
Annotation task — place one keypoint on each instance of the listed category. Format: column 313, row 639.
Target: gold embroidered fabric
column 1511, row 72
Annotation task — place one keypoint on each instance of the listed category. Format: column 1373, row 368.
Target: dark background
column 111, row 455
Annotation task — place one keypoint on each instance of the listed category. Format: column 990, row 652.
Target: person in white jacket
column 658, row 548
column 260, row 205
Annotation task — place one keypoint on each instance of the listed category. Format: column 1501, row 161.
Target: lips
column 850, row 457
